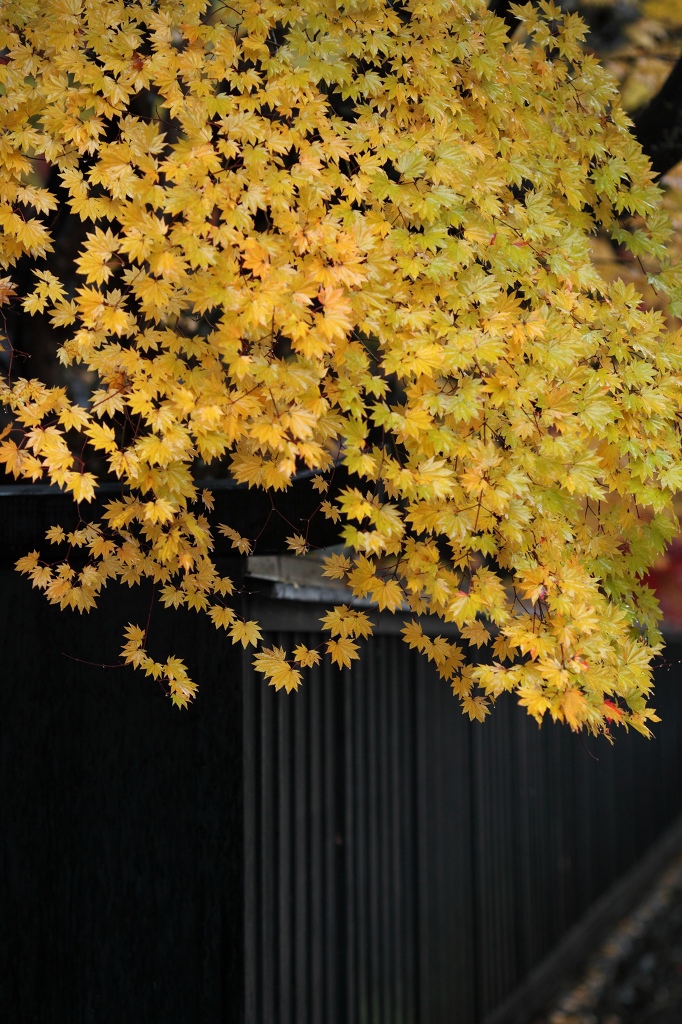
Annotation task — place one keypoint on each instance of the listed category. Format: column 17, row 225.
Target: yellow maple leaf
column 305, row 656
column 272, row 662
column 387, row 593
column 475, row 707
column 535, row 701
column 414, row 635
column 343, row 651
column 476, row 633
column 574, row 708
column 336, row 566
column 320, row 483
column 7, row 290
column 81, row 485
column 28, row 562
column 297, row 544
column 241, row 544
column 74, row 417
column 330, row 511
column 245, row 632
column 222, row 616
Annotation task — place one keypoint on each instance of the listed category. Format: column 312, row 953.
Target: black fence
column 404, row 865
column 357, row 853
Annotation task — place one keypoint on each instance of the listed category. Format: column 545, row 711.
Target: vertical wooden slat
column 331, row 965
column 269, row 855
column 252, row 845
column 283, row 866
column 301, row 932
column 316, row 951
column 349, row 995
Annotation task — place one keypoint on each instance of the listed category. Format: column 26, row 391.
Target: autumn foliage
column 357, row 232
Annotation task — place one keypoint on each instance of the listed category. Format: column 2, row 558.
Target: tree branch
column 658, row 126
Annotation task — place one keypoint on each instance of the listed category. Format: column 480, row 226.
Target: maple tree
column 357, row 232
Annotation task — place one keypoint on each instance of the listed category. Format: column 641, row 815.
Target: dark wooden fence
column 355, row 854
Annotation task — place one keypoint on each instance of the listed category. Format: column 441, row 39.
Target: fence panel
column 446, row 858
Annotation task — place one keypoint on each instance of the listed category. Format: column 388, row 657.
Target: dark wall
column 355, row 854
column 121, row 893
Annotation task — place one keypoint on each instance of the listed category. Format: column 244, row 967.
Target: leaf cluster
column 351, row 231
